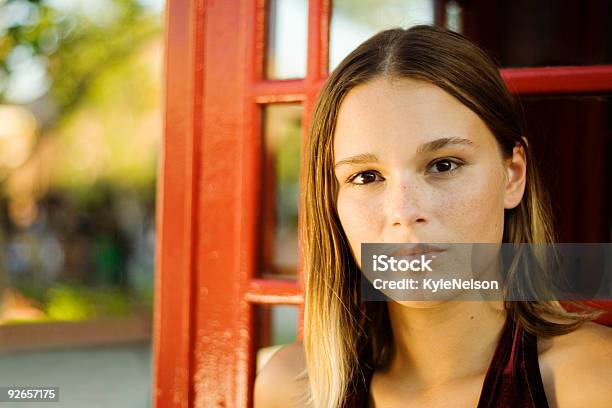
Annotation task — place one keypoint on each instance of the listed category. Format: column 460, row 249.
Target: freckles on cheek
column 477, row 209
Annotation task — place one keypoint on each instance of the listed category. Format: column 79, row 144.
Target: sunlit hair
column 340, row 331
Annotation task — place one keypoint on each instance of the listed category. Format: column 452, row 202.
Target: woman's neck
column 448, row 341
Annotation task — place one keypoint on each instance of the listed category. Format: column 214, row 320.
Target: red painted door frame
column 208, row 197
column 209, row 185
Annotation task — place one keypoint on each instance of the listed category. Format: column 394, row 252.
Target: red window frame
column 208, row 192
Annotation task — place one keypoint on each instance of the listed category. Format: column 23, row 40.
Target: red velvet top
column 512, row 379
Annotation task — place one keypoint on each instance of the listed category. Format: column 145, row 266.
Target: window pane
column 282, row 128
column 352, row 22
column 522, row 33
column 276, row 326
column 572, row 140
column 287, row 39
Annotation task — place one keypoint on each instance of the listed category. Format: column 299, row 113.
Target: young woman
column 416, row 139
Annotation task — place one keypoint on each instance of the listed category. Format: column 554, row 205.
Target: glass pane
column 287, row 39
column 353, row 22
column 276, row 326
column 572, row 140
column 521, row 33
column 282, row 129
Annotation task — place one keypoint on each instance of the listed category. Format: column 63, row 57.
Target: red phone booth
column 216, row 267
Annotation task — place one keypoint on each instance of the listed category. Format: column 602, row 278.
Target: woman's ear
column 516, row 176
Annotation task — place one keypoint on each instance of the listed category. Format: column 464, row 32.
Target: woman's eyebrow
column 442, row 142
column 421, row 149
column 358, row 159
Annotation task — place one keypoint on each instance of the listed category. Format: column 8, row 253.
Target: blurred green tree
column 51, row 51
column 84, row 69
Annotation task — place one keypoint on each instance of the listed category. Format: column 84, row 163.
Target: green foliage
column 90, row 54
column 69, row 302
column 74, row 46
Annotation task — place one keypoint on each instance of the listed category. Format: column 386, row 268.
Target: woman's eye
column 444, row 166
column 365, row 177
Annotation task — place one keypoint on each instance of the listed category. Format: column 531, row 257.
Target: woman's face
column 414, row 165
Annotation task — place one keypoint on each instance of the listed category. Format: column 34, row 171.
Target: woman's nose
column 405, row 204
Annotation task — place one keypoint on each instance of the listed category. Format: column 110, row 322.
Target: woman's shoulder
column 577, row 367
column 282, row 382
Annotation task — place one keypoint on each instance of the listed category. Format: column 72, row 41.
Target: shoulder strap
column 513, row 377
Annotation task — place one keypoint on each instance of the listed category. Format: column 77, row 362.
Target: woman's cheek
column 358, row 218
column 475, row 210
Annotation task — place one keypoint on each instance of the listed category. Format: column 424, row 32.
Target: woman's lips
column 416, row 250
column 422, row 253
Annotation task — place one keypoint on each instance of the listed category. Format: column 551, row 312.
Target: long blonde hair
column 340, row 331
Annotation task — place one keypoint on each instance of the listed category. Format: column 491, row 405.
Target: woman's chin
column 421, row 304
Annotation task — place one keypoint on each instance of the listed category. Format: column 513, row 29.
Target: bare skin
column 433, row 173
column 575, row 370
